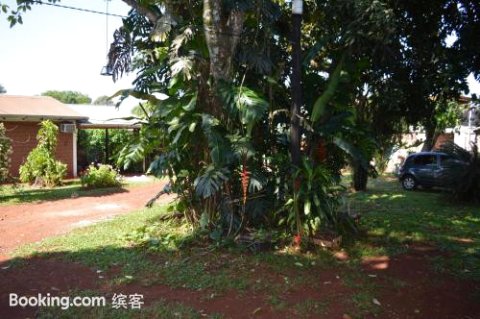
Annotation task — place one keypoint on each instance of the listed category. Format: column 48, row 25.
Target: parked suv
column 429, row 169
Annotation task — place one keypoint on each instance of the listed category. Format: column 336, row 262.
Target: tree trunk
column 222, row 33
column 431, row 136
column 360, row 177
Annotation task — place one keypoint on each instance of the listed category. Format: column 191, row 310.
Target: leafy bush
column 101, row 176
column 41, row 169
column 41, row 166
column 5, row 151
column 319, row 194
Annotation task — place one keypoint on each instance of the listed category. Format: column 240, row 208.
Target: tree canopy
column 2, row 89
column 69, row 97
column 103, row 100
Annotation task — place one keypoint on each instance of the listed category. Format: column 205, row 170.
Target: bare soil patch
column 407, row 288
column 31, row 222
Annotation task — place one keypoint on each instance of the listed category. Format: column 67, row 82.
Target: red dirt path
column 31, row 222
column 408, row 287
column 423, row 294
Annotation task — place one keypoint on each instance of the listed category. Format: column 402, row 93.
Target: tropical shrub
column 101, row 176
column 317, row 198
column 5, row 151
column 222, row 130
column 41, row 166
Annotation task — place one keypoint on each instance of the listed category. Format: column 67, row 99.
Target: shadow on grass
column 150, row 255
column 208, row 280
column 394, row 219
column 61, row 274
column 193, row 279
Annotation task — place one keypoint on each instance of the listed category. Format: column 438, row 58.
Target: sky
column 62, row 49
column 59, row 49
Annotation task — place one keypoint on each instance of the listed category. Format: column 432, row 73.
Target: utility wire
column 78, row 9
column 208, row 29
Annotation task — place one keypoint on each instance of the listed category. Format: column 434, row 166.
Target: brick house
column 21, row 116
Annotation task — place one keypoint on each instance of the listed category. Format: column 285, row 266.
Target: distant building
column 470, row 123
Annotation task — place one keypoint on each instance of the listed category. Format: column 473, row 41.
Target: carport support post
column 106, row 146
column 74, row 151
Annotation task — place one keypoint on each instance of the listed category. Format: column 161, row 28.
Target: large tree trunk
column 360, row 177
column 431, row 136
column 222, row 33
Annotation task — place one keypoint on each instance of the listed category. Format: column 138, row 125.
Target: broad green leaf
column 307, row 207
column 321, row 103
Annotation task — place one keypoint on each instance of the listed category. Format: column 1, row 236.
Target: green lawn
column 394, row 218
column 23, row 193
column 149, row 252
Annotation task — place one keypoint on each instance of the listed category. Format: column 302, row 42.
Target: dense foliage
column 92, row 145
column 222, row 134
column 216, row 78
column 5, row 152
column 2, row 89
column 100, row 176
column 41, row 166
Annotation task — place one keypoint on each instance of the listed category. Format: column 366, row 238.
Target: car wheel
column 409, row 183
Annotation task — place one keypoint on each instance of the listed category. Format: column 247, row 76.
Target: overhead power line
column 122, row 16
column 79, row 9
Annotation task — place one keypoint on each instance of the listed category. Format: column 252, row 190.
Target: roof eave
column 109, row 126
column 27, row 118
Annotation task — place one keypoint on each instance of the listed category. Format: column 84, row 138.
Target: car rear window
column 425, row 160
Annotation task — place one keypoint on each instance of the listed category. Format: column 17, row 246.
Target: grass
column 109, row 240
column 309, row 307
column 11, row 194
column 149, row 252
column 395, row 219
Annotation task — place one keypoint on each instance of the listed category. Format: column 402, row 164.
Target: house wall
column 465, row 136
column 24, row 139
column 443, row 138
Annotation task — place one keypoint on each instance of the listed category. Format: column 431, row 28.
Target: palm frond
column 210, row 181
column 120, row 53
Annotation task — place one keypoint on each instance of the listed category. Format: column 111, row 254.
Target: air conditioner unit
column 67, row 128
